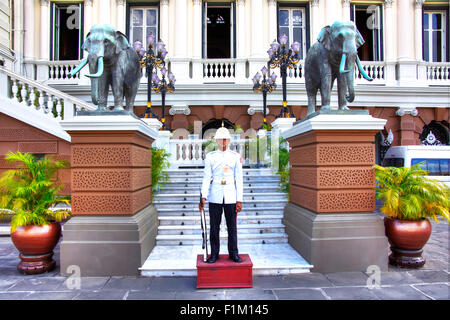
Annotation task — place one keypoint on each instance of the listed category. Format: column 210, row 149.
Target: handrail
column 49, row 90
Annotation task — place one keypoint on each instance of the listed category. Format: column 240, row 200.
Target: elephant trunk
column 99, row 68
column 94, row 67
column 350, row 86
column 94, row 90
column 342, row 65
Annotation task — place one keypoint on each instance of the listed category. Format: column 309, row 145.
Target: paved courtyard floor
column 429, row 282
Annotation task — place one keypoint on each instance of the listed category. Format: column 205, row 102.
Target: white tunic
column 223, row 166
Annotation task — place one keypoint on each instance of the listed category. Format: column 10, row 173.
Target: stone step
column 198, row 184
column 243, row 238
column 188, row 198
column 194, row 211
column 268, row 259
column 193, row 205
column 242, row 228
column 195, row 190
column 246, row 179
column 241, row 219
column 199, row 172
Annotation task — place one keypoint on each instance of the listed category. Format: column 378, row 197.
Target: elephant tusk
column 342, row 66
column 82, row 64
column 360, row 68
column 99, row 69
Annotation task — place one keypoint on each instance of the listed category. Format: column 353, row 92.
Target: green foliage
column 190, row 129
column 210, row 145
column 283, row 164
column 160, row 164
column 409, row 195
column 266, row 126
column 29, row 192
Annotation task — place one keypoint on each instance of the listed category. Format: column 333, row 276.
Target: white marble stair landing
column 268, row 259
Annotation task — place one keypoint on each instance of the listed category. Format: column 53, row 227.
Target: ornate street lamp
column 281, row 56
column 267, row 85
column 150, row 60
column 162, row 86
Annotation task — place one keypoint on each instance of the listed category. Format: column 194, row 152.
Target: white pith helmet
column 222, row 133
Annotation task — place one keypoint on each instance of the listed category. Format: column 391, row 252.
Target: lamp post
column 150, row 60
column 281, row 56
column 162, row 86
column 267, row 85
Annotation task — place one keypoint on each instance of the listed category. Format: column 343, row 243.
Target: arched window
column 435, row 133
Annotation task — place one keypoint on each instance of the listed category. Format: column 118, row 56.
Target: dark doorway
column 218, row 31
column 66, row 32
column 368, row 20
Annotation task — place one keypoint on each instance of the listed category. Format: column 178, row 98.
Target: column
column 257, row 39
column 408, row 134
column 30, row 29
column 121, row 16
column 329, row 218
column 422, row 69
column 272, row 20
column 179, row 60
column 164, row 22
column 87, row 19
column 180, row 46
column 104, row 12
column 241, row 49
column 418, row 28
column 45, row 30
column 389, row 34
column 407, row 66
column 331, row 11
column 345, row 10
column 197, row 66
column 315, row 22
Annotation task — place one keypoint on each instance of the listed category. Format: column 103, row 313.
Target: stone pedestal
column 329, row 219
column 114, row 225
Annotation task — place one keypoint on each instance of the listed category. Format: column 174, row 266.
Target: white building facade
column 216, row 47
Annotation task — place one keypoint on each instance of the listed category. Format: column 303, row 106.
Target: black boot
column 235, row 258
column 212, row 259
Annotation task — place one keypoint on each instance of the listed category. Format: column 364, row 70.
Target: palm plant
column 160, row 164
column 409, row 195
column 29, row 192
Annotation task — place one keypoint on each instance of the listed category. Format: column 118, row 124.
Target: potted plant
column 409, row 198
column 31, row 194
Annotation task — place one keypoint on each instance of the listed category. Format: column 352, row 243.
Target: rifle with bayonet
column 204, row 230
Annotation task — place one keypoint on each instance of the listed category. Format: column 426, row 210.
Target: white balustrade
column 374, row 69
column 438, row 72
column 32, row 94
column 219, row 70
column 190, row 152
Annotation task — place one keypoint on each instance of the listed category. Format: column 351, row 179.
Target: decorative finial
column 222, row 123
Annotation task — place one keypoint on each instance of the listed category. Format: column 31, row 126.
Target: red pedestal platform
column 225, row 273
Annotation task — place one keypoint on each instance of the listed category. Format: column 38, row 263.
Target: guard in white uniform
column 223, row 187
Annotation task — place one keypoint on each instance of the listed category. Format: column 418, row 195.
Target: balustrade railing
column 219, row 69
column 47, row 100
column 374, row 69
column 438, row 72
column 192, row 152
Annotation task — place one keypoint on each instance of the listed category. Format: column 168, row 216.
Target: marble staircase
column 260, row 229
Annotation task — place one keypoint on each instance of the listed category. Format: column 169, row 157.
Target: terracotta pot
column 36, row 244
column 409, row 235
